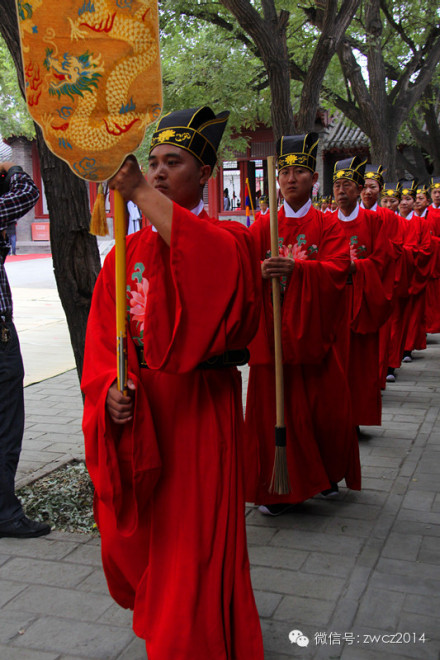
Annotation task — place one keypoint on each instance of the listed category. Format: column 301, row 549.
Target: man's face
column 406, row 204
column 435, row 195
column 296, row 185
column 390, row 202
column 421, row 202
column 177, row 174
column 394, row 203
column 263, row 205
column 324, row 206
column 346, row 194
column 370, row 193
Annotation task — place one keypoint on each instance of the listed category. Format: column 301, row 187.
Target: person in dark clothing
column 18, row 194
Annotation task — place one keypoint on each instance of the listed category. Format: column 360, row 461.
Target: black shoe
column 391, row 376
column 332, row 491
column 274, row 509
column 407, row 356
column 24, row 528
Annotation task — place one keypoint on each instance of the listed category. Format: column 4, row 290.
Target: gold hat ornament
column 391, row 190
column 298, row 151
column 423, row 190
column 352, row 169
column 408, row 187
column 374, row 172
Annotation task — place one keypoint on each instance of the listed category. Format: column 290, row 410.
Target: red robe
column 259, row 215
column 393, row 228
column 414, row 319
column 321, row 443
column 433, row 287
column 175, row 550
column 368, row 300
column 400, row 317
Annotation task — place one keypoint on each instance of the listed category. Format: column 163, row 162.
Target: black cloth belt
column 6, row 317
column 227, row 359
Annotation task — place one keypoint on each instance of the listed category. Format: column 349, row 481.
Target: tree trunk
column 269, row 35
column 333, row 26
column 383, row 149
column 429, row 140
column 74, row 251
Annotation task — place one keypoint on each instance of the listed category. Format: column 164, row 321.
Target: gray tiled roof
column 342, row 134
column 5, row 150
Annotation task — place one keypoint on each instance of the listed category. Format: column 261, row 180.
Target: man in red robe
column 390, row 196
column 312, row 263
column 325, row 205
column 164, row 459
column 418, row 238
column 393, row 227
column 433, row 288
column 434, row 187
column 390, row 199
column 264, row 207
column 368, row 291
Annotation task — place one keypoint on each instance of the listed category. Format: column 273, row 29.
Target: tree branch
column 397, row 26
column 408, row 94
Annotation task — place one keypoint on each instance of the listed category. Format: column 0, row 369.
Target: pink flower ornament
column 138, row 302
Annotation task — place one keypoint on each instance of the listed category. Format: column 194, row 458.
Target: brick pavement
column 340, row 571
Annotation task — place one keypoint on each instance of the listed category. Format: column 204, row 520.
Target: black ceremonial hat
column 374, row 172
column 197, row 130
column 435, row 182
column 408, row 187
column 298, row 150
column 350, row 168
column 264, row 198
column 423, row 188
column 392, row 190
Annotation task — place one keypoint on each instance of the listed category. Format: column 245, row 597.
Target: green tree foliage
column 203, row 65
column 371, row 60
column 14, row 116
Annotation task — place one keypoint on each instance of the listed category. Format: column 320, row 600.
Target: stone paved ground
column 358, row 576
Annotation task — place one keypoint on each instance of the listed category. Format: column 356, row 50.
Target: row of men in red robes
column 416, row 304
column 339, row 323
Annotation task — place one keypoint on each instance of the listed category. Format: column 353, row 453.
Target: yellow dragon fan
column 93, row 79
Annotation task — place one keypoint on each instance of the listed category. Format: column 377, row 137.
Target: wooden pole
column 280, row 482
column 120, row 286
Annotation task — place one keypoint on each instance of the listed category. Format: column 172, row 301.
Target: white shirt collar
column 422, row 215
column 199, row 208
column 353, row 215
column 264, row 212
column 409, row 216
column 373, row 208
column 290, row 213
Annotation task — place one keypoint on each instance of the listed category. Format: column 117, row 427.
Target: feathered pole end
column 280, row 481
